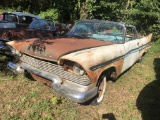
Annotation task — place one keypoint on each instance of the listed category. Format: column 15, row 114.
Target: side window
column 10, row 17
column 29, row 20
column 135, row 33
column 22, row 19
column 14, row 19
column 25, row 19
column 131, row 33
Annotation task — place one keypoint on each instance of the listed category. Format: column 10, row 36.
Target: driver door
column 131, row 46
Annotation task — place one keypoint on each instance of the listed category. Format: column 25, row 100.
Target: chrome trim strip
column 118, row 58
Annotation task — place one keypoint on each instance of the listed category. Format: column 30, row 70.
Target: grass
column 134, row 96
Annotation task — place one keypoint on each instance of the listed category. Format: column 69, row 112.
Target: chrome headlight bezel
column 78, row 69
column 14, row 51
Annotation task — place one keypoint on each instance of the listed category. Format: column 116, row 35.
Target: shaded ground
column 148, row 101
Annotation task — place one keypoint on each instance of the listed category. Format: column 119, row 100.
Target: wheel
column 140, row 60
column 100, row 93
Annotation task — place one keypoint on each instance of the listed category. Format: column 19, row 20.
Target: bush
column 50, row 13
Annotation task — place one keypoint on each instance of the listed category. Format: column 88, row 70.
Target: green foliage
column 54, row 100
column 50, row 13
column 146, row 17
column 5, row 10
column 144, row 14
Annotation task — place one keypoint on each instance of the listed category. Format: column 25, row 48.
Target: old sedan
column 39, row 28
column 79, row 64
column 22, row 20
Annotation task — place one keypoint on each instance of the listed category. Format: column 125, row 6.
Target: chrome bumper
column 16, row 68
column 73, row 91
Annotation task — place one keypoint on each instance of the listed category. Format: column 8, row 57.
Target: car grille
column 50, row 67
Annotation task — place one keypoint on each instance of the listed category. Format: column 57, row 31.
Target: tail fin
column 149, row 37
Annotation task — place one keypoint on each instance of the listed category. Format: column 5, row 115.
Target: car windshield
column 44, row 24
column 103, row 31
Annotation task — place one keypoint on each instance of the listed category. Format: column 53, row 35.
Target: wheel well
column 144, row 53
column 110, row 74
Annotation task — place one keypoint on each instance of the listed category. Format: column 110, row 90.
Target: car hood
column 53, row 49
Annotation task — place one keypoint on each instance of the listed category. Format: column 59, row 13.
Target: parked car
column 22, row 20
column 79, row 64
column 39, row 28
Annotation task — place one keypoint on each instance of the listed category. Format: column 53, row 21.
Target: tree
column 144, row 14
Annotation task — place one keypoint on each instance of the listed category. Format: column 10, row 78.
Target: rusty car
column 39, row 28
column 79, row 64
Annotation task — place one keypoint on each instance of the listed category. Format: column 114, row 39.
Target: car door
column 131, row 47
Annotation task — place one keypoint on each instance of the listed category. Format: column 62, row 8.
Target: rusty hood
column 53, row 49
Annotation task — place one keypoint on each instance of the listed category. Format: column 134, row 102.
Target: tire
column 100, row 93
column 140, row 60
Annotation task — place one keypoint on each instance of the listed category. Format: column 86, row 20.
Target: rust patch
column 42, row 80
column 21, row 34
column 94, row 75
column 53, row 49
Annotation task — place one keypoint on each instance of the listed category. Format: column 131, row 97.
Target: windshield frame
column 109, row 36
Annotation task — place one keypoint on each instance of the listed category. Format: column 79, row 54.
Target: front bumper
column 68, row 89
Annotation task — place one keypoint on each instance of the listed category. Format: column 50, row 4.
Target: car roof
column 23, row 14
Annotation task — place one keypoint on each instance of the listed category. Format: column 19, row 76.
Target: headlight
column 78, row 70
column 14, row 51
